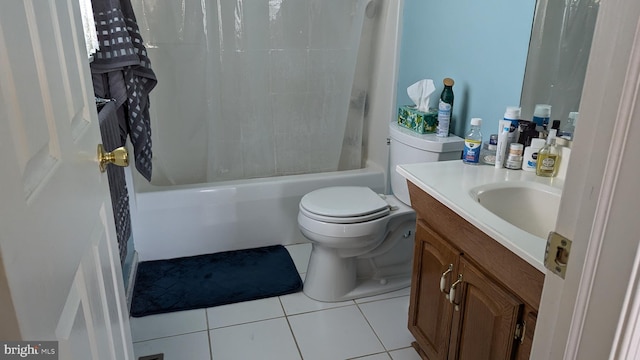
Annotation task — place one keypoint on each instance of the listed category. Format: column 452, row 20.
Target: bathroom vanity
column 477, row 278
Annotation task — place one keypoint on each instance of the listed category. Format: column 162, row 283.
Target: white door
column 592, row 314
column 60, row 276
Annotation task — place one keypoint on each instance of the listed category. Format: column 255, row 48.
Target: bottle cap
column 448, row 81
column 476, row 121
column 512, row 113
column 537, row 143
column 542, row 110
column 573, row 116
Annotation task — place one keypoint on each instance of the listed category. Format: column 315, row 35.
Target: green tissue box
column 418, row 121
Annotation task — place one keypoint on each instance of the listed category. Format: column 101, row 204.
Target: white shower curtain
column 254, row 88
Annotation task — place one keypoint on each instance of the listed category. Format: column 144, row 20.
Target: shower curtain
column 254, row 88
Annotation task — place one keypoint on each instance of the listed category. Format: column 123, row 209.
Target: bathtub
column 177, row 221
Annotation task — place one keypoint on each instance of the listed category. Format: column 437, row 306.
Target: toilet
column 362, row 242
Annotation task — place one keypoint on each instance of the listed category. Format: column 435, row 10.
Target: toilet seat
column 344, row 205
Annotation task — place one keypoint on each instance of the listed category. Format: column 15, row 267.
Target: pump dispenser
column 548, row 157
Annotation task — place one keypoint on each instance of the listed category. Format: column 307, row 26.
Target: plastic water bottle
column 445, row 108
column 569, row 126
column 473, row 143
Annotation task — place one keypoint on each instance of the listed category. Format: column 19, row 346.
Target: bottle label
column 444, row 117
column 539, row 120
column 471, row 152
column 547, row 163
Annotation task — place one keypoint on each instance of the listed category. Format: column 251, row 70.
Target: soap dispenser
column 548, row 157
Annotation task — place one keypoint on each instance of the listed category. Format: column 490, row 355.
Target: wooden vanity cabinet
column 496, row 294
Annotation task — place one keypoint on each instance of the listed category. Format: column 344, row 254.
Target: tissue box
column 418, row 121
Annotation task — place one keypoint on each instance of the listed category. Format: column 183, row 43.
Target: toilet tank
column 408, row 147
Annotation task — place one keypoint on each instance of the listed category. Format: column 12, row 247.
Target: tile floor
column 281, row 328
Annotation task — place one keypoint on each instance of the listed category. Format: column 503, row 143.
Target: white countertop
column 450, row 183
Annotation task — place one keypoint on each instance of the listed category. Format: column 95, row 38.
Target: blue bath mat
column 214, row 279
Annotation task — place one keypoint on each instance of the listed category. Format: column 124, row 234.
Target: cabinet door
column 484, row 322
column 429, row 310
column 524, row 348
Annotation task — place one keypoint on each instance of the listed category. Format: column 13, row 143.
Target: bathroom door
column 594, row 312
column 60, row 276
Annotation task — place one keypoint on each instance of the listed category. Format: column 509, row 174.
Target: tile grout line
column 371, row 326
column 286, row 318
column 206, row 317
column 170, row 336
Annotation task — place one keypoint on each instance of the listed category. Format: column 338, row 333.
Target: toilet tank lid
column 343, row 201
column 427, row 142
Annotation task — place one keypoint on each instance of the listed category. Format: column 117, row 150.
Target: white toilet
column 363, row 241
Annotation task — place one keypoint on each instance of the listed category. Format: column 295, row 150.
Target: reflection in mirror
column 558, row 56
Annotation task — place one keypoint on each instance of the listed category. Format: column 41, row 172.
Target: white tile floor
column 281, row 328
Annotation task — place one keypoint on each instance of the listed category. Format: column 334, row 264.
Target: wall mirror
column 558, row 56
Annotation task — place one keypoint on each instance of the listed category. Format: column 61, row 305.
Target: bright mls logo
column 29, row 350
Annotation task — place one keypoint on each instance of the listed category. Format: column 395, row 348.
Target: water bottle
column 473, row 143
column 445, row 108
column 569, row 126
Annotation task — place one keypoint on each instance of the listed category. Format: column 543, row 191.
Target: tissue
column 419, row 117
column 419, row 93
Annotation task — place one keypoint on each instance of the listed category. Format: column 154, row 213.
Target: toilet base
column 338, row 278
column 366, row 288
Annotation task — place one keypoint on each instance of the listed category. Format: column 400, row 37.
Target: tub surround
column 450, row 183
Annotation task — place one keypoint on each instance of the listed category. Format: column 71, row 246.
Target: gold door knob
column 119, row 157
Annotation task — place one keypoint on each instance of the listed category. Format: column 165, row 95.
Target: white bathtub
column 171, row 222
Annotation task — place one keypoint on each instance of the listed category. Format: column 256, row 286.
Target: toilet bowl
column 345, row 226
column 362, row 242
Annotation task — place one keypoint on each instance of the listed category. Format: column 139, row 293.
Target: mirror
column 558, row 55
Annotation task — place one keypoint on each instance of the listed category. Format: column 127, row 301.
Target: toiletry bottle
column 473, row 143
column 566, row 131
column 530, row 157
column 503, row 137
column 445, row 108
column 513, row 114
column 527, row 130
column 548, row 157
column 514, row 159
column 488, row 152
column 541, row 115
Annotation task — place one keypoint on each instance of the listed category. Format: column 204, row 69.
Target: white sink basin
column 530, row 206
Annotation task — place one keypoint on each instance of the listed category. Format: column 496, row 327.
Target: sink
column 530, row 206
